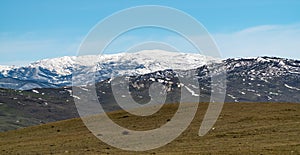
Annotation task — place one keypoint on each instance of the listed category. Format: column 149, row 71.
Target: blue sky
column 31, row 30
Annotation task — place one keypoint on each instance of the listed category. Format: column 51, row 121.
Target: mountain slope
column 26, row 108
column 263, row 79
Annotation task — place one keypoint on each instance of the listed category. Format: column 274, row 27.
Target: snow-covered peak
column 5, row 67
column 58, row 71
column 147, row 61
column 152, row 60
column 62, row 66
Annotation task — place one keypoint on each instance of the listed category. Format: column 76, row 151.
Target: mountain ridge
column 260, row 79
column 57, row 72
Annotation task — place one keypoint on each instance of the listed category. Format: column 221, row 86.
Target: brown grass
column 242, row 128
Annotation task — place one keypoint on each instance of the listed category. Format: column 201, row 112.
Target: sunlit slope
column 256, row 128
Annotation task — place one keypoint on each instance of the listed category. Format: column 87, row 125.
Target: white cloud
column 265, row 40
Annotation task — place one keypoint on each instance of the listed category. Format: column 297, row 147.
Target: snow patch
column 84, row 89
column 231, row 96
column 191, row 91
column 290, row 87
column 35, row 91
column 76, row 97
column 272, row 93
column 69, row 91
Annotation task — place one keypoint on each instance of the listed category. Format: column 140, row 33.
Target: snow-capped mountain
column 57, row 72
column 262, row 79
column 248, row 79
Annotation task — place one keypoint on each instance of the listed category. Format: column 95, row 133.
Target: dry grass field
column 242, row 128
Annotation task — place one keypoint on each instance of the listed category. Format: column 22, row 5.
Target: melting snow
column 35, row 91
column 152, row 79
column 68, row 90
column 195, row 87
column 76, row 97
column 180, row 85
column 290, row 87
column 84, row 89
column 272, row 93
column 269, row 98
column 191, row 91
column 294, row 72
column 231, row 96
column 161, row 80
column 251, row 90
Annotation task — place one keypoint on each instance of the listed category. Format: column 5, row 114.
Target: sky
column 32, row 30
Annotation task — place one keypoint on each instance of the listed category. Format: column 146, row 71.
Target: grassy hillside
column 255, row 128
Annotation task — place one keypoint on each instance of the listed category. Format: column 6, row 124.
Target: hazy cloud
column 269, row 40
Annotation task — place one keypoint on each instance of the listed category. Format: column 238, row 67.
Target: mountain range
column 258, row 79
column 42, row 92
